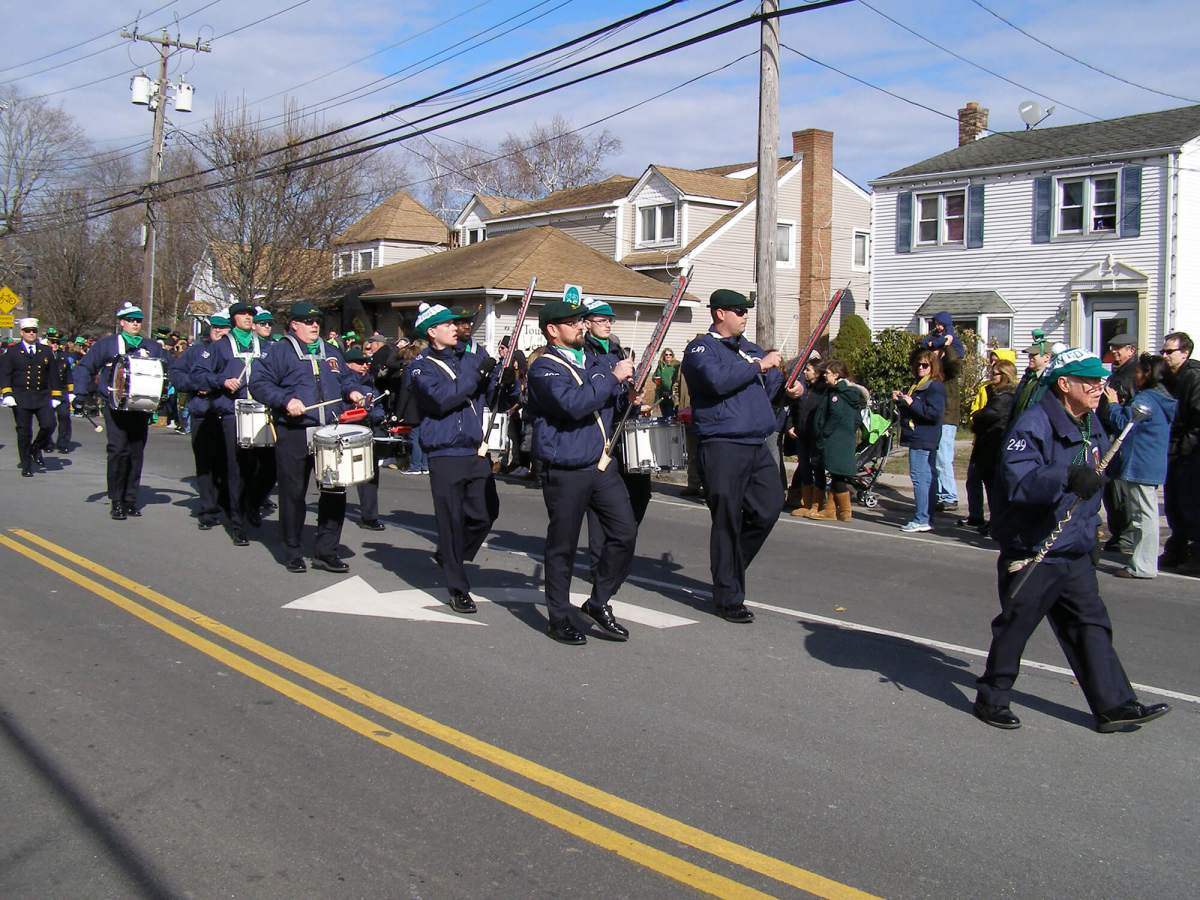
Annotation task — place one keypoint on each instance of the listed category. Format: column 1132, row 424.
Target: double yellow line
column 643, row 854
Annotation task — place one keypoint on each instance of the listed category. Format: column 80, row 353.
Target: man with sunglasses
column 65, row 361
column 734, row 386
column 30, row 387
column 1182, row 490
column 1046, row 467
column 573, row 396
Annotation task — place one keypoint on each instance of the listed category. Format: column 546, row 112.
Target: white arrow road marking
column 623, row 611
column 355, row 597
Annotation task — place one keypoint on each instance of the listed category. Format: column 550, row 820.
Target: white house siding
column 394, row 252
column 590, row 227
column 1186, row 251
column 1033, row 278
column 851, row 212
column 700, row 216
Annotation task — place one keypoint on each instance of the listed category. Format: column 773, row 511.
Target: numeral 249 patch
column 1017, row 444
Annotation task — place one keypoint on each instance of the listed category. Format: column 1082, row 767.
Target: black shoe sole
column 321, row 567
column 1127, row 724
column 465, row 611
column 1004, row 726
column 561, row 640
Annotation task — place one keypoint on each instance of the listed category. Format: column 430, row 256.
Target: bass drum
column 138, row 385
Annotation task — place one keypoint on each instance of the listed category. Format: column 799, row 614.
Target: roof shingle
column 398, row 218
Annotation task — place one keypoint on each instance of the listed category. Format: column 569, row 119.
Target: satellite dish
column 1031, row 112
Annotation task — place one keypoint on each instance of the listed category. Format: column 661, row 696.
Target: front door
column 1108, row 315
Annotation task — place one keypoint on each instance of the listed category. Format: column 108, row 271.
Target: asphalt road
column 168, row 728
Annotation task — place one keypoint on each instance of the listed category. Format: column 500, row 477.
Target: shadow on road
column 97, row 822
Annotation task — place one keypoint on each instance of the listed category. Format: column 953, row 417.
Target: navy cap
column 302, row 309
column 724, row 298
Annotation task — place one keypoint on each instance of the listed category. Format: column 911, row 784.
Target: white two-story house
column 398, row 229
column 1083, row 231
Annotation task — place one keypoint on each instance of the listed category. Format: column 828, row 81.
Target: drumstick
column 326, row 403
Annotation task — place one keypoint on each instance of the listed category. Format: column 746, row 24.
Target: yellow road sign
column 8, row 301
column 6, row 321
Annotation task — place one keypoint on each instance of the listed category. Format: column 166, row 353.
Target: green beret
column 355, row 355
column 558, row 311
column 302, row 309
column 724, row 298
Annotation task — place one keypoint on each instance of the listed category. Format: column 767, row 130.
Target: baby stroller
column 871, row 455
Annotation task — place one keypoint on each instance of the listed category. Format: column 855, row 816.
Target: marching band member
column 264, row 325
column 126, row 430
column 30, row 387
column 301, row 371
column 192, row 372
column 450, row 388
column 572, row 397
column 358, row 375
column 733, row 385
column 64, row 360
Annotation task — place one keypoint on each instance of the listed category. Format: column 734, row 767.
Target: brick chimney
column 972, row 122
column 814, row 148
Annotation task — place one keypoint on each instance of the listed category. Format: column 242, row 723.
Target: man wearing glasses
column 1182, row 490
column 734, row 385
column 1048, row 465
column 29, row 386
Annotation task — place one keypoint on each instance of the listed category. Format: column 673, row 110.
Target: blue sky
column 709, row 122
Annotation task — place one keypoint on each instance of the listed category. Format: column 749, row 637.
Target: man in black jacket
column 30, row 386
column 1182, row 490
column 1124, row 352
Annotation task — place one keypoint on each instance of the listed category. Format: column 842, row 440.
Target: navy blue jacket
column 283, row 374
column 226, row 363
column 101, row 358
column 32, row 379
column 451, row 408
column 1143, row 455
column 731, row 397
column 1030, row 482
column 365, row 384
column 191, row 373
column 565, row 432
column 921, row 422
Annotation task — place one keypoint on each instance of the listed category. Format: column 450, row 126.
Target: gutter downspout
column 489, row 321
column 1166, row 321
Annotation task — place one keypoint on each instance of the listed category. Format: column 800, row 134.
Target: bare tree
column 37, row 142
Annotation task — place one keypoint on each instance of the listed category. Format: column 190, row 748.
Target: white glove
column 54, row 404
column 10, row 401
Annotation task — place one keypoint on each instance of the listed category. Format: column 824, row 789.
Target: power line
column 971, row 62
column 1036, row 39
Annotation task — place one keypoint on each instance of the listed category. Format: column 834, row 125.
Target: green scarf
column 315, row 347
column 242, row 338
column 576, row 355
column 133, row 341
column 603, row 342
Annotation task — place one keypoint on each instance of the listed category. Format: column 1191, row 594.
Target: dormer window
column 366, row 260
column 656, row 224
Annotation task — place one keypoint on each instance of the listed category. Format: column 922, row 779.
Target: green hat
column 240, row 307
column 593, row 307
column 355, row 355
column 350, row 336
column 220, row 319
column 262, row 314
column 558, row 311
column 130, row 311
column 724, row 298
column 80, row 341
column 428, row 316
column 462, row 314
column 302, row 309
column 1078, row 362
column 51, row 332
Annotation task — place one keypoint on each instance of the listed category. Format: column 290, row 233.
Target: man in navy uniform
column 298, row 372
column 65, row 360
column 30, row 387
column 125, row 429
column 192, row 372
column 1047, row 464
column 572, row 397
column 450, row 388
column 358, row 376
column 734, row 385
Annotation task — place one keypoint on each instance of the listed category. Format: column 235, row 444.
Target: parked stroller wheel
column 869, row 500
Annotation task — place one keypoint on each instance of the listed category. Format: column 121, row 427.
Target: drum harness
column 453, row 377
column 315, row 362
column 604, row 457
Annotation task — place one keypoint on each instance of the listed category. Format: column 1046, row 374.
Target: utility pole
column 157, row 102
column 767, row 209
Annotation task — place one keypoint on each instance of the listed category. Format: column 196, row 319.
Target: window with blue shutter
column 904, row 222
column 1131, row 201
column 975, row 215
column 1041, row 209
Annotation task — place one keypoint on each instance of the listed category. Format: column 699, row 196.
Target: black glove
column 486, row 367
column 1083, row 481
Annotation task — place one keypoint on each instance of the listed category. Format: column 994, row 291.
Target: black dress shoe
column 26, row 473
column 38, row 459
column 118, row 512
column 738, row 614
column 566, row 633
column 206, row 524
column 604, row 618
column 462, row 603
column 996, row 716
column 296, row 564
column 371, row 525
column 239, row 538
column 131, row 510
column 330, row 564
column 1128, row 715
column 254, row 518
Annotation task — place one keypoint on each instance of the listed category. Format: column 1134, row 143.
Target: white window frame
column 985, row 325
column 1088, row 180
column 641, row 240
column 941, row 240
column 866, row 263
column 359, row 260
column 344, row 269
column 790, row 262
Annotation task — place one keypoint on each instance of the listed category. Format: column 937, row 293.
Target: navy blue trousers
column 465, row 504
column 294, row 466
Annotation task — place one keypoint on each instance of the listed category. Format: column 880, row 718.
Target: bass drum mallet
column 1140, row 413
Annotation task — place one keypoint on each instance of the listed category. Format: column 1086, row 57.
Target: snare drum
column 138, row 384
column 253, row 424
column 343, row 455
column 653, row 445
column 498, row 439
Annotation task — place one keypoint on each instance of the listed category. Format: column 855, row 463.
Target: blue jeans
column 947, row 488
column 417, row 461
column 921, row 467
